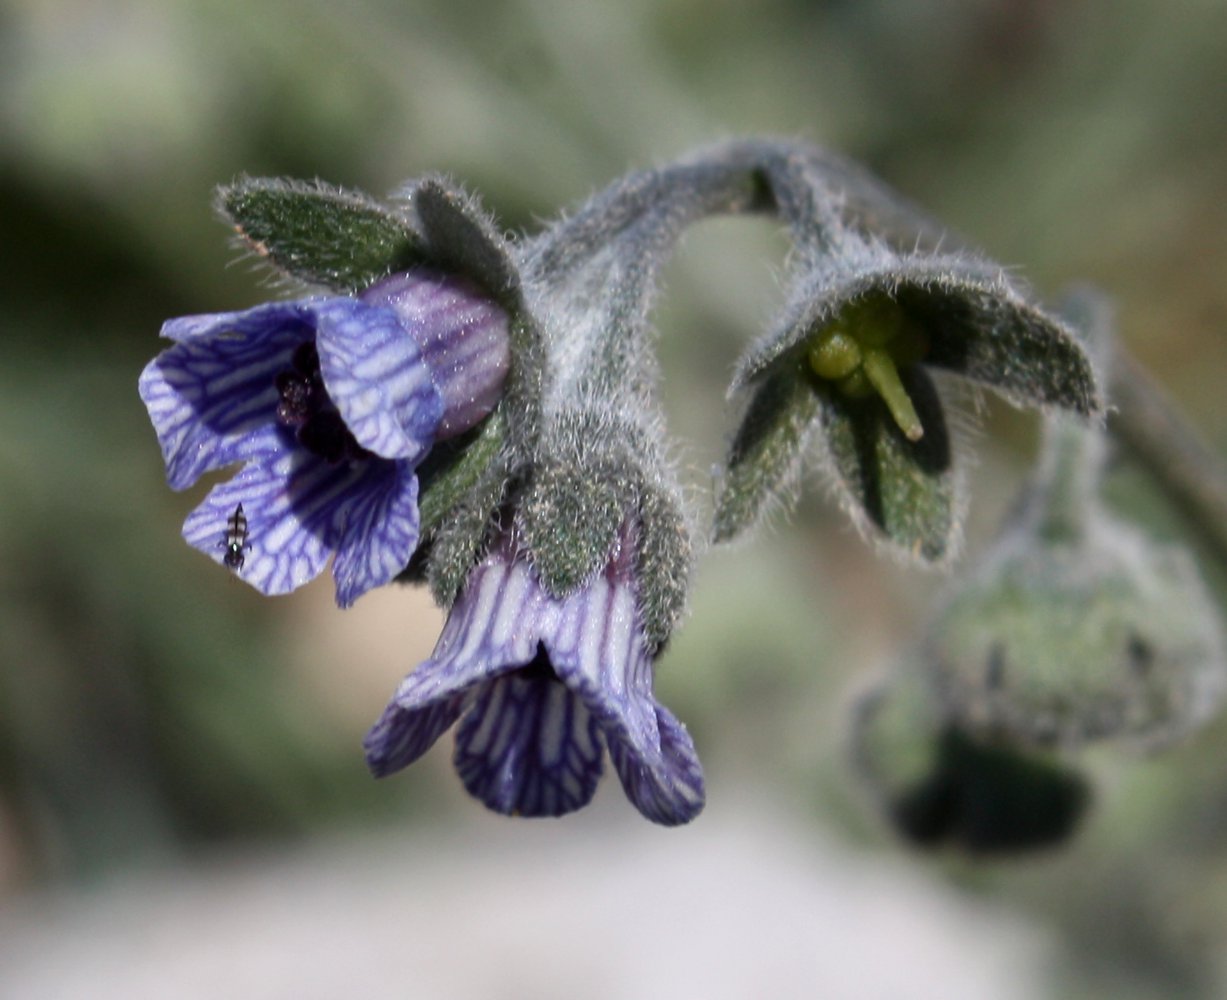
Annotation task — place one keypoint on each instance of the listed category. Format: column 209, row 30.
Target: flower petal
column 492, row 629
column 665, row 784
column 379, row 529
column 598, row 650
column 401, row 736
column 297, row 507
column 529, row 747
column 211, row 397
column 375, row 376
column 463, row 337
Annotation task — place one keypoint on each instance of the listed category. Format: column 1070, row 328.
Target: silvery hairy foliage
column 1072, row 629
column 451, row 406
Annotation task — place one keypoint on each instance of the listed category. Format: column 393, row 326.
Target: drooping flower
column 1074, row 626
column 330, row 404
column 940, row 784
column 541, row 686
column 854, row 374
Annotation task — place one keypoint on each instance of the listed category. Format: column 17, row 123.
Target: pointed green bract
column 764, row 462
column 569, row 518
column 453, row 468
column 457, row 542
column 665, row 558
column 992, row 337
column 462, row 238
column 903, row 493
column 319, row 234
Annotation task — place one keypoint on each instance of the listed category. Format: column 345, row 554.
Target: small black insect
column 235, row 542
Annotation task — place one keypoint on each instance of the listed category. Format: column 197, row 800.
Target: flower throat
column 306, row 409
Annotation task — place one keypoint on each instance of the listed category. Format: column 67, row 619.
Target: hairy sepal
column 905, row 495
column 763, row 468
column 319, row 234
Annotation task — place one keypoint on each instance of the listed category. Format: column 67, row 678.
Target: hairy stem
column 1191, row 473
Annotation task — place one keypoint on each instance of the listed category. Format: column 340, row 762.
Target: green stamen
column 862, row 350
column 879, row 368
column 835, row 355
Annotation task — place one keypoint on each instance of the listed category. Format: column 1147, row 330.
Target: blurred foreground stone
column 602, row 907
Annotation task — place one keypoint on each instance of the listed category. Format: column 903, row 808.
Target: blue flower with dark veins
column 541, row 685
column 330, row 404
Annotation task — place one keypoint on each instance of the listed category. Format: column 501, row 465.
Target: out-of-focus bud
column 1076, row 626
column 940, row 784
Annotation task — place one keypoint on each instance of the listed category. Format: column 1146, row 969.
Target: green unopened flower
column 854, row 375
column 1075, row 626
column 940, row 784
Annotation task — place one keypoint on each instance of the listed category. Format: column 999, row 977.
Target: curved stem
column 1191, row 473
column 600, row 265
column 611, row 251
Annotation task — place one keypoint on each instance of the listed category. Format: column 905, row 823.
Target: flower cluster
column 331, row 404
column 479, row 414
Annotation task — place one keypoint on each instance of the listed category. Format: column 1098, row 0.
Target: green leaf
column 454, row 467
column 764, row 461
column 570, row 517
column 904, row 493
column 988, row 334
column 319, row 234
column 665, row 559
column 457, row 542
column 463, row 238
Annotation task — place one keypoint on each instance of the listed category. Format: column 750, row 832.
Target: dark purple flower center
column 306, row 409
column 539, row 667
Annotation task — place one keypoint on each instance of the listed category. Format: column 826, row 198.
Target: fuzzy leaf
column 764, row 461
column 458, row 540
column 903, row 492
column 570, row 517
column 462, row 238
column 663, row 570
column 454, row 467
column 1006, row 344
column 319, row 234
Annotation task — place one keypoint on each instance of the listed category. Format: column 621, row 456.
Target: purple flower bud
column 331, row 404
column 462, row 336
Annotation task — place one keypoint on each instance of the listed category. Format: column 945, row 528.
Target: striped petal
column 211, row 397
column 463, row 336
column 491, row 630
column 662, row 776
column 600, row 653
column 375, row 376
column 377, row 524
column 301, row 509
column 529, row 747
column 285, row 553
column 402, row 735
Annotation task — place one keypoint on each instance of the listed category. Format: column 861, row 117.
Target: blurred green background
column 150, row 707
